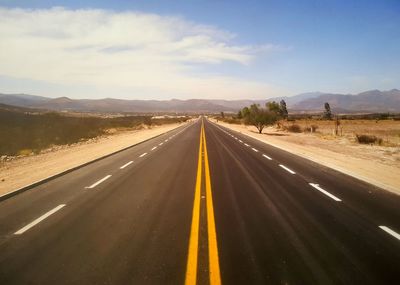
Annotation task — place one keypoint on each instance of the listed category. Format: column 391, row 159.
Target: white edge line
column 316, row 186
column 126, row 164
column 38, row 220
column 143, row 154
column 390, row 231
column 287, row 169
column 154, row 148
column 98, row 182
column 267, row 157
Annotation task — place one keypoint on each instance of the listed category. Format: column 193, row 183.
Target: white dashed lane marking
column 98, row 182
column 316, row 186
column 38, row 220
column 126, row 164
column 287, row 169
column 390, row 231
column 267, row 157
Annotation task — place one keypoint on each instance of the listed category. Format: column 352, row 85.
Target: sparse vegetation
column 232, row 120
column 294, row 128
column 23, row 133
column 368, row 139
column 313, row 128
column 385, row 127
column 387, row 130
column 337, row 125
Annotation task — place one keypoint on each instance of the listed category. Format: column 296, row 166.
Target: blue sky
column 221, row 49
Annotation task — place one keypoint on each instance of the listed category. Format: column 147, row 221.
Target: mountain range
column 369, row 101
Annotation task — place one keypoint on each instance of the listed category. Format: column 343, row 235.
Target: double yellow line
column 192, row 262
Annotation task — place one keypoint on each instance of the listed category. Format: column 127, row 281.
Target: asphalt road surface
column 201, row 205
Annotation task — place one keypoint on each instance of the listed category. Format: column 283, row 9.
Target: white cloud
column 130, row 51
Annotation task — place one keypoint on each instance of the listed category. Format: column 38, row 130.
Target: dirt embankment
column 378, row 165
column 23, row 171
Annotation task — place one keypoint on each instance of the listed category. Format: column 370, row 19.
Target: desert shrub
column 22, row 133
column 232, row 121
column 368, row 139
column 311, row 129
column 171, row 120
column 294, row 128
column 314, row 127
column 25, row 152
column 125, row 122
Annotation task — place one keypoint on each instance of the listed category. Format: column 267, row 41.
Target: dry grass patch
column 386, row 132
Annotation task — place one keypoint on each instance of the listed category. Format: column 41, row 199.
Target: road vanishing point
column 201, row 205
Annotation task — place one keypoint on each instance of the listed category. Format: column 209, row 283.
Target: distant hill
column 16, row 109
column 293, row 100
column 369, row 101
column 22, row 100
column 119, row 105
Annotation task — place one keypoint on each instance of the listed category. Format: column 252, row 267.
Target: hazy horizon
column 190, row 50
column 193, row 98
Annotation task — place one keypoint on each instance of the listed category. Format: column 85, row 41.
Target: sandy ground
column 387, row 130
column 378, row 165
column 23, row 171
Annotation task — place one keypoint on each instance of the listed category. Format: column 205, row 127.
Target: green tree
column 259, row 117
column 327, row 112
column 245, row 112
column 283, row 112
column 222, row 115
column 273, row 107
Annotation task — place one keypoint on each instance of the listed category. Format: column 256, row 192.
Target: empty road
column 201, row 205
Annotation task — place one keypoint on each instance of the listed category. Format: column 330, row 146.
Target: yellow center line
column 192, row 262
column 191, row 267
column 215, row 275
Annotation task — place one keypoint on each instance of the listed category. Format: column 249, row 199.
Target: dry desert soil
column 376, row 164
